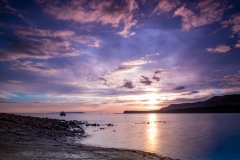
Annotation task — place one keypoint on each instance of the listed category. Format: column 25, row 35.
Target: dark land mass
column 76, row 112
column 69, row 112
column 28, row 138
column 217, row 104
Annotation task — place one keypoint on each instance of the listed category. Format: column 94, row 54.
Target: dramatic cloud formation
column 91, row 55
column 219, row 49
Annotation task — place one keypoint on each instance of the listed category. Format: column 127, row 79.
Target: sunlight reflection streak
column 152, row 132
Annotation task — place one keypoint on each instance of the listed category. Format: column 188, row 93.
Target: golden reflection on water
column 152, row 131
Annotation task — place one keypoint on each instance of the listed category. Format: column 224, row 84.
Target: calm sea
column 186, row 136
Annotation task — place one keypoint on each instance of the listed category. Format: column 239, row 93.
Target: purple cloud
column 127, row 84
column 179, row 88
column 145, row 81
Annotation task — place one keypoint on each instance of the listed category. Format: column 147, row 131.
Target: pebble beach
column 25, row 137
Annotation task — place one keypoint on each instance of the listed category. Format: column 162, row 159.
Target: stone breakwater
column 61, row 127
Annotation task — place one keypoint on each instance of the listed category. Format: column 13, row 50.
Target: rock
column 2, row 130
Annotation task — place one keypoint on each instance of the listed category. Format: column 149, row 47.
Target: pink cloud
column 104, row 12
column 219, row 49
column 236, row 24
column 234, row 21
column 165, row 6
column 209, row 11
column 88, row 40
column 135, row 62
column 238, row 44
column 231, row 80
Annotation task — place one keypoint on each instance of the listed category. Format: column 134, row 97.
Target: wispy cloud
column 13, row 11
column 104, row 12
column 64, row 34
column 219, row 49
column 179, row 88
column 38, row 48
column 135, row 62
column 165, row 6
column 119, row 69
column 28, row 65
column 43, row 32
column 232, row 80
column 14, row 81
column 209, row 11
column 88, row 40
column 234, row 22
column 45, row 44
column 190, row 93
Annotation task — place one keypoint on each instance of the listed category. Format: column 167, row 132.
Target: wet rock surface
column 19, row 141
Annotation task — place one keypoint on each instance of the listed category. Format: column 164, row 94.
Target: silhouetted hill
column 217, row 104
column 212, row 102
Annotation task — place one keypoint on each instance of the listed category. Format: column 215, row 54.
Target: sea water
column 185, row 136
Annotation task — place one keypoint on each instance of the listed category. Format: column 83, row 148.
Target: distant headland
column 75, row 112
column 217, row 104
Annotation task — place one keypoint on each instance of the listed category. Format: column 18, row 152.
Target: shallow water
column 186, row 136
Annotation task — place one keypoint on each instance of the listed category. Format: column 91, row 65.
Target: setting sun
column 152, row 98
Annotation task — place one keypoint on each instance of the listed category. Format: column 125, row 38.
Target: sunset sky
column 110, row 56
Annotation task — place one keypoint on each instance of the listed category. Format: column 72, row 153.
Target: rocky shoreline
column 25, row 137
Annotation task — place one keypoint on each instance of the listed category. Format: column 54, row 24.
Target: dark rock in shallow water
column 72, row 127
column 62, row 114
